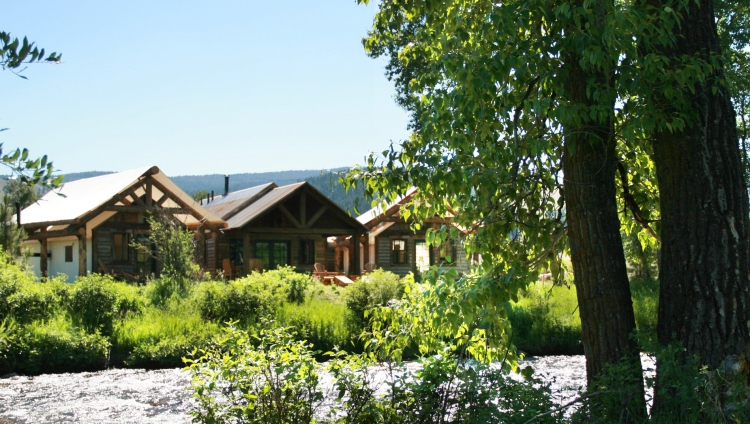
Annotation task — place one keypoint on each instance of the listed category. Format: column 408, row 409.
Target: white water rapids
column 161, row 396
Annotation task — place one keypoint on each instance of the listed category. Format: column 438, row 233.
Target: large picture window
column 307, row 252
column 399, row 255
column 272, row 253
column 120, row 243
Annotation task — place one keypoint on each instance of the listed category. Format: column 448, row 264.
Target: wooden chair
column 321, row 274
column 226, row 266
column 369, row 267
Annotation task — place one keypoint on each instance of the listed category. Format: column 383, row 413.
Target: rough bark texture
column 705, row 299
column 597, row 254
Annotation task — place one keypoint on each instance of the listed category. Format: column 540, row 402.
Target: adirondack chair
column 321, row 274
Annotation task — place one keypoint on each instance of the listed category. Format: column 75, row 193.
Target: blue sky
column 198, row 87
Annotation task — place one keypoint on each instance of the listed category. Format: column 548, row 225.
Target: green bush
column 273, row 382
column 51, row 346
column 277, row 382
column 295, row 283
column 27, row 301
column 246, row 299
column 160, row 290
column 22, row 298
column 374, row 289
column 96, row 301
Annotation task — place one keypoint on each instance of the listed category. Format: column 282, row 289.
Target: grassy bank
column 54, row 326
column 545, row 320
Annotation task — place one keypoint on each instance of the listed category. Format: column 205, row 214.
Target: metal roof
column 264, row 203
column 232, row 203
column 72, row 201
column 267, row 200
column 371, row 218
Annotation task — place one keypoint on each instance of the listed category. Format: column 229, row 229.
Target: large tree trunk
column 704, row 302
column 597, row 255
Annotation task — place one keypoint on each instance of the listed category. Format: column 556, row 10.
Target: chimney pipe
column 226, row 184
column 18, row 214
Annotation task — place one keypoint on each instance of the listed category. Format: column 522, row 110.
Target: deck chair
column 226, row 266
column 321, row 274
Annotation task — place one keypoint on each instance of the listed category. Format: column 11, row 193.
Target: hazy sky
column 198, row 87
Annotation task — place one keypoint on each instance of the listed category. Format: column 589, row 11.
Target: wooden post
column 82, row 254
column 355, row 251
column 43, row 258
column 149, row 193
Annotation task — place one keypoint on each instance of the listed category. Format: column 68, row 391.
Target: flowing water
column 139, row 396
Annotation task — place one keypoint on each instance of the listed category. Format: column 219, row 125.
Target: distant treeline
column 327, row 182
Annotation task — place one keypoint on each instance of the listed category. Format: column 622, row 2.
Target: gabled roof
column 262, row 199
column 375, row 215
column 229, row 205
column 81, row 200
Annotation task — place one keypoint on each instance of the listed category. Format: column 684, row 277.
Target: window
column 272, row 253
column 421, row 255
column 398, row 252
column 447, row 253
column 307, row 252
column 120, row 251
column 68, row 253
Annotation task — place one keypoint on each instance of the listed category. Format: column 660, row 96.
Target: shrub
column 160, row 290
column 275, row 382
column 295, row 283
column 246, row 299
column 52, row 346
column 26, row 300
column 96, row 301
column 374, row 289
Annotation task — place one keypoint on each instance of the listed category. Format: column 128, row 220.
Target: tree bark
column 597, row 255
column 704, row 303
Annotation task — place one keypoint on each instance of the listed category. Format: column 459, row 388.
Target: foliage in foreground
column 272, row 378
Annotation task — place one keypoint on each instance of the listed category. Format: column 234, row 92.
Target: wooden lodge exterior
column 394, row 246
column 90, row 225
column 295, row 225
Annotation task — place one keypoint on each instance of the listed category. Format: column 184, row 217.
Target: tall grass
column 322, row 323
column 545, row 320
column 161, row 337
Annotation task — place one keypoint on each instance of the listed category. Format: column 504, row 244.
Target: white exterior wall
column 56, row 263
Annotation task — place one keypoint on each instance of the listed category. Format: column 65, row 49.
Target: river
column 161, row 396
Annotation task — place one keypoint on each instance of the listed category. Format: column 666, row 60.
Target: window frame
column 306, row 247
column 125, row 257
column 395, row 252
column 272, row 262
column 68, row 254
